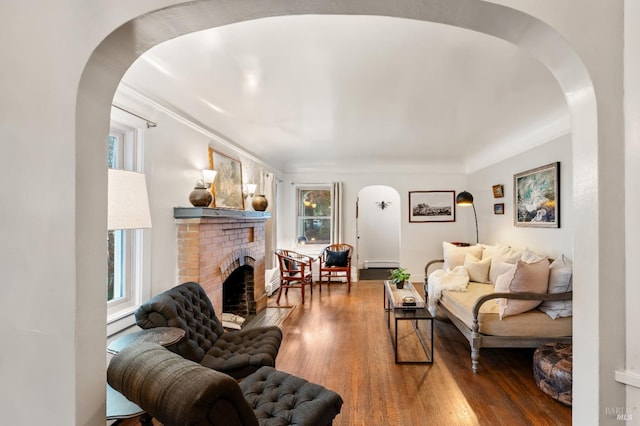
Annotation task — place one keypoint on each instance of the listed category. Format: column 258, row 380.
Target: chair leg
column 280, row 292
column 302, row 290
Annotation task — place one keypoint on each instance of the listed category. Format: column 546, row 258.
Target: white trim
column 628, row 378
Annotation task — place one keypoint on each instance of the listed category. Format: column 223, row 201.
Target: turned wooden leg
column 475, row 357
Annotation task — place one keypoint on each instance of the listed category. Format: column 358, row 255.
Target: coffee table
column 398, row 302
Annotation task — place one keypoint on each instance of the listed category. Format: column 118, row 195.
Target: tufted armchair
column 187, row 306
column 179, row 392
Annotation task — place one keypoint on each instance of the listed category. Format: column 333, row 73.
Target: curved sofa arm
column 177, row 391
column 514, row 296
column 431, row 262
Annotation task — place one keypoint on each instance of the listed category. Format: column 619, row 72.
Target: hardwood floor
column 339, row 339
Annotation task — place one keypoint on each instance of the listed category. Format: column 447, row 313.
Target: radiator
column 381, row 264
column 271, row 281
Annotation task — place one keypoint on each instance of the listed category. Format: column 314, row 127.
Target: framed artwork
column 227, row 186
column 498, row 191
column 432, row 206
column 498, row 208
column 536, row 197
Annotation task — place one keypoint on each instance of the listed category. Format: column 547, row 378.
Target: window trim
column 297, row 231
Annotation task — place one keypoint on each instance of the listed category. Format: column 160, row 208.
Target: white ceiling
column 341, row 91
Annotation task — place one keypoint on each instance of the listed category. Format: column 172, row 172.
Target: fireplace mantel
column 209, row 240
column 202, row 212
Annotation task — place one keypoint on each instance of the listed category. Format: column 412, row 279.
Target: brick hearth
column 212, row 241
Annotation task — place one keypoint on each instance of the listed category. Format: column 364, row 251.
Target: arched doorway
column 119, row 50
column 378, row 225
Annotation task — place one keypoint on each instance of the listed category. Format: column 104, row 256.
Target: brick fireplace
column 217, row 246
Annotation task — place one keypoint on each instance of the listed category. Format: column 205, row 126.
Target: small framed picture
column 498, row 191
column 432, row 206
column 498, row 208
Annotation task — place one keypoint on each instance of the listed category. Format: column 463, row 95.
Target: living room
column 172, row 176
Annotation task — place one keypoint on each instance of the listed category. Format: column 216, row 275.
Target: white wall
column 55, row 121
column 499, row 228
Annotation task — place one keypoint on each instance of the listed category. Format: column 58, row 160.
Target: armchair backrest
column 188, row 307
column 177, row 391
column 339, row 247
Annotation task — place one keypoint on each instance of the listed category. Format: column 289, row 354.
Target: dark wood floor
column 339, row 339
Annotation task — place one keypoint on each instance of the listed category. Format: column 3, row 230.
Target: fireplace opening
column 238, row 294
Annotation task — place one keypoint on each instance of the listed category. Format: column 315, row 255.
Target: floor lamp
column 466, row 199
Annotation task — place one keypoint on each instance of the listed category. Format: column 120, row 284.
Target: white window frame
column 310, row 247
column 136, row 245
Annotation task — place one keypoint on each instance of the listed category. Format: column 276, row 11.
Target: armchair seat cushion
column 245, row 349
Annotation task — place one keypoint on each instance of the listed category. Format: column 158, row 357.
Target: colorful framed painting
column 536, row 197
column 498, row 208
column 432, row 206
column 498, row 191
column 227, row 186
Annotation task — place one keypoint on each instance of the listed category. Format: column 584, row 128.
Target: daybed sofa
column 508, row 302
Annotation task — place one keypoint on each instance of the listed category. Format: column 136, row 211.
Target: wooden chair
column 296, row 270
column 335, row 262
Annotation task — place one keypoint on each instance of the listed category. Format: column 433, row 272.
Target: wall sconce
column 249, row 190
column 208, row 177
column 383, row 204
column 466, row 199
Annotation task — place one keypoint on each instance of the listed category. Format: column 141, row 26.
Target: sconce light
column 466, row 199
column 383, row 204
column 249, row 190
column 209, row 176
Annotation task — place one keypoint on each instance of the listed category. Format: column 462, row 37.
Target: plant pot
column 400, row 285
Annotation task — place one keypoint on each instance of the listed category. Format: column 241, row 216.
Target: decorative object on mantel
column 259, row 202
column 466, row 199
column 432, row 206
column 200, row 196
column 498, row 208
column 383, row 204
column 536, row 197
column 227, row 187
column 498, row 191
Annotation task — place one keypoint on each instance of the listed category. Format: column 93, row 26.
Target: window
column 125, row 283
column 314, row 215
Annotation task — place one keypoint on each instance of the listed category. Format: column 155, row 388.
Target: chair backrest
column 188, row 307
column 176, row 391
column 339, row 247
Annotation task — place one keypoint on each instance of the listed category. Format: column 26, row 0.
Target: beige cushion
column 528, row 324
column 527, row 277
column 560, row 281
column 454, row 255
column 502, row 254
column 477, row 269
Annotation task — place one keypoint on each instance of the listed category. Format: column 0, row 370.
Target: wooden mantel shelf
column 205, row 212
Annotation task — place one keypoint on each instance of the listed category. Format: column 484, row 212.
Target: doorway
column 378, row 227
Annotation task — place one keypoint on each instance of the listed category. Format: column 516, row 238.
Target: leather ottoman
column 552, row 370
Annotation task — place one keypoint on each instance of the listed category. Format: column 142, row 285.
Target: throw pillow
column 487, row 250
column 477, row 269
column 530, row 257
column 337, row 258
column 527, row 277
column 454, row 255
column 560, row 281
column 502, row 254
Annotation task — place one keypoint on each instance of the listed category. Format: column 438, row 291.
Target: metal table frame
column 408, row 314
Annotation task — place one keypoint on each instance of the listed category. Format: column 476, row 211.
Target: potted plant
column 399, row 276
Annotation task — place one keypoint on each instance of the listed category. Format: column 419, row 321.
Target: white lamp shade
column 251, row 188
column 128, row 203
column 208, row 175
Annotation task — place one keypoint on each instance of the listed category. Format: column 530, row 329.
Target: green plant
column 399, row 275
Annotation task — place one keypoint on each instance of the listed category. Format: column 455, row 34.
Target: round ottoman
column 552, row 364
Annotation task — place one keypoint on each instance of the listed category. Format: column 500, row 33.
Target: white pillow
column 487, row 250
column 527, row 277
column 530, row 257
column 477, row 269
column 560, row 281
column 502, row 254
column 454, row 255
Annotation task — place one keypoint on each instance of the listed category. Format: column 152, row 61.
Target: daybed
column 488, row 324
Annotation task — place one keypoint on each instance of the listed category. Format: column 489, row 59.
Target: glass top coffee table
column 408, row 305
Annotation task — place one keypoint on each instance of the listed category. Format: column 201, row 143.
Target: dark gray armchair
column 179, row 392
column 187, row 306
